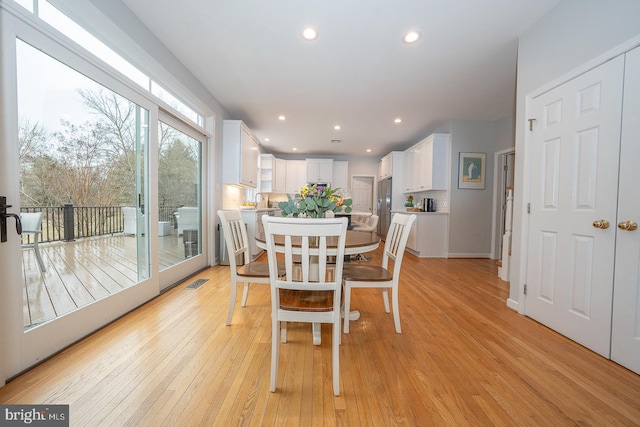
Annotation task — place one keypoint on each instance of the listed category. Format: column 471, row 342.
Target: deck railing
column 68, row 222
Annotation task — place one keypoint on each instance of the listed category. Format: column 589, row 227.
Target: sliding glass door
column 107, row 184
column 77, row 164
column 83, row 160
column 179, row 192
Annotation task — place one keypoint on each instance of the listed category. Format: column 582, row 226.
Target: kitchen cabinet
column 265, row 166
column 412, row 240
column 319, row 170
column 426, row 164
column 436, row 158
column 280, row 179
column 272, row 174
column 253, row 220
column 408, row 178
column 385, row 168
column 429, row 236
column 340, row 175
column 296, row 175
column 240, row 154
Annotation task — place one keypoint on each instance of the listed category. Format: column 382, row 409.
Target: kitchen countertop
column 260, row 210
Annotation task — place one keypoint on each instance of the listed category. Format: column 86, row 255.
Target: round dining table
column 357, row 242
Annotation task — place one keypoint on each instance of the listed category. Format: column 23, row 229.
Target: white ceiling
column 358, row 73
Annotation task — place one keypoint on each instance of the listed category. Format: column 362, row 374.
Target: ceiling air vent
column 336, row 141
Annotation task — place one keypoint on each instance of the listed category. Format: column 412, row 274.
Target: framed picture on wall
column 472, row 170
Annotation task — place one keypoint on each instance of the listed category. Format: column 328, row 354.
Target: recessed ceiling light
column 368, row 150
column 267, row 139
column 337, row 127
column 411, row 37
column 398, row 120
column 295, row 149
column 310, row 33
column 282, row 118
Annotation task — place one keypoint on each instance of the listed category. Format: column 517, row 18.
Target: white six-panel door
column 362, row 193
column 574, row 181
column 625, row 332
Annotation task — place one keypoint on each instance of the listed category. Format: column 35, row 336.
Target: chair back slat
column 309, row 242
column 235, row 236
column 396, row 241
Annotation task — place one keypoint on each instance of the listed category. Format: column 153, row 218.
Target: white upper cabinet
column 296, row 175
column 340, row 175
column 280, row 176
column 240, row 154
column 272, row 174
column 319, row 170
column 408, row 176
column 426, row 164
column 385, row 168
column 438, row 159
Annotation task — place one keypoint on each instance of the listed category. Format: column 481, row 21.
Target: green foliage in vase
column 314, row 202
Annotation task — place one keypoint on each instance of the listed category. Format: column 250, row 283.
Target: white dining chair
column 309, row 292
column 241, row 268
column 31, row 231
column 372, row 276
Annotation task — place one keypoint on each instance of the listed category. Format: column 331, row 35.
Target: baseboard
column 512, row 304
column 412, row 252
column 468, row 255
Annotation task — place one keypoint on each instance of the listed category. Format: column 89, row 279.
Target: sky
column 47, row 89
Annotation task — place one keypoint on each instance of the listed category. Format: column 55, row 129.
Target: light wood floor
column 81, row 272
column 463, row 359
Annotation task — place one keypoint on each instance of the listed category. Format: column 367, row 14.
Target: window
column 48, row 13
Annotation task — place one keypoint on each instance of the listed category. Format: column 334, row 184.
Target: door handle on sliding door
column 3, row 219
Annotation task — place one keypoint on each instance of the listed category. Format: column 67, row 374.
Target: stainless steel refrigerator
column 384, row 207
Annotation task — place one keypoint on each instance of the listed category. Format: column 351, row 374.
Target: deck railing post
column 69, row 233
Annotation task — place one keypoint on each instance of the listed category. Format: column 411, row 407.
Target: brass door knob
column 627, row 225
column 601, row 223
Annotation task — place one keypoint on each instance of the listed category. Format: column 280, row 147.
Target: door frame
column 499, row 187
column 521, row 195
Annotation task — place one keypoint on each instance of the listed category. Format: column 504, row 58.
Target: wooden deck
column 78, row 273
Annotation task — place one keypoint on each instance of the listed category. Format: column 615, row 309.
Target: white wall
column 505, row 137
column 573, row 33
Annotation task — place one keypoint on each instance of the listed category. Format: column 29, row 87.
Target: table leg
column 316, row 333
